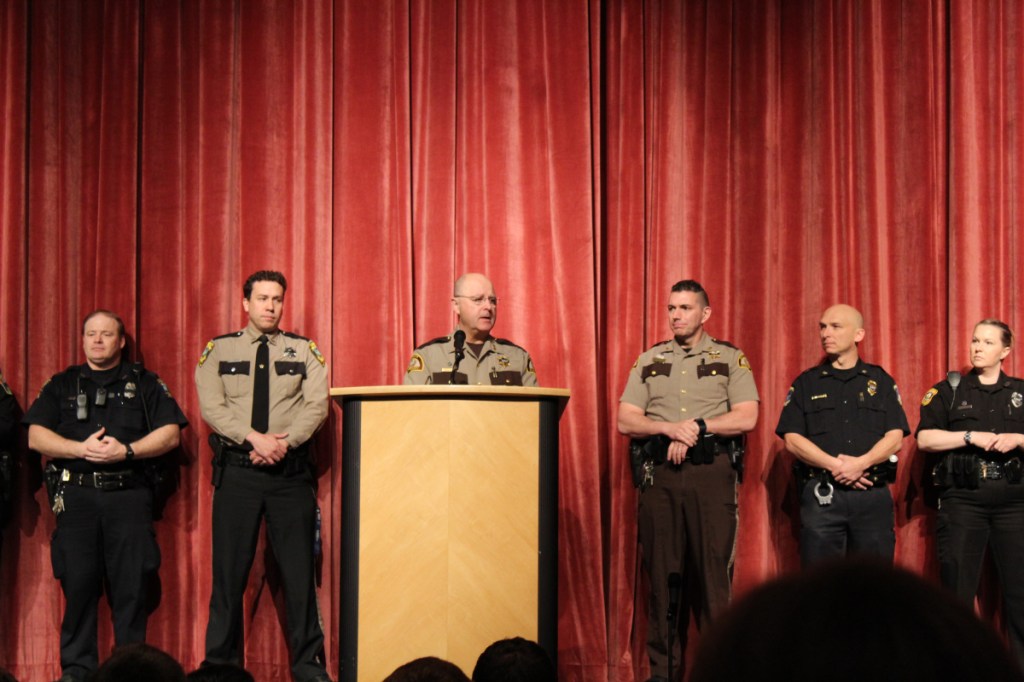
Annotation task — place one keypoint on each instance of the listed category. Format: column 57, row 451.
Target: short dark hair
column 427, row 669
column 220, row 672
column 514, row 660
column 103, row 311
column 139, row 661
column 1006, row 336
column 794, row 627
column 694, row 286
column 263, row 276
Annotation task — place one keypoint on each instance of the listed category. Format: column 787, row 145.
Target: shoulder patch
column 294, row 336
column 789, row 396
column 899, row 398
column 316, row 353
column 416, row 364
column 927, row 399
column 440, row 339
column 744, row 362
column 529, row 366
column 206, row 352
column 167, row 391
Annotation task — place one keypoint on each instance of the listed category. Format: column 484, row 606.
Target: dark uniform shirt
column 997, row 408
column 298, row 385
column 843, row 412
column 499, row 362
column 122, row 413
column 7, row 405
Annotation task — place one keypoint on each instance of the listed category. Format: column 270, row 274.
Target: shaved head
column 473, row 280
column 846, row 312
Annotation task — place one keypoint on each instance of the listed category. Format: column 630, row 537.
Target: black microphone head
column 460, row 339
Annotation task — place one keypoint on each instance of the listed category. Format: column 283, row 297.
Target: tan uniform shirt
column 298, row 385
column 501, row 363
column 669, row 384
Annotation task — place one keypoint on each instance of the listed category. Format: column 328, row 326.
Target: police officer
column 264, row 394
column 699, row 394
column 844, row 420
column 8, row 419
column 475, row 356
column 98, row 423
column 977, row 422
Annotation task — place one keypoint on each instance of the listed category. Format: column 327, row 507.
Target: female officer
column 978, row 422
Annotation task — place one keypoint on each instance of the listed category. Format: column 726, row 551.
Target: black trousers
column 857, row 522
column 990, row 516
column 244, row 498
column 102, row 537
column 687, row 525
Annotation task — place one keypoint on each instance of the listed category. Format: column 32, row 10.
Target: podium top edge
column 440, row 390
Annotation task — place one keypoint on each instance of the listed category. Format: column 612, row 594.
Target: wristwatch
column 967, row 437
column 129, row 454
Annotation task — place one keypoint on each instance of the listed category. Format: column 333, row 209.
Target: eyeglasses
column 479, row 300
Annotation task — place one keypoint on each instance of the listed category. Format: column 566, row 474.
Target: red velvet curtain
column 586, row 154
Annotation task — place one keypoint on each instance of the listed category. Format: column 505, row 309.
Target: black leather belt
column 102, row 480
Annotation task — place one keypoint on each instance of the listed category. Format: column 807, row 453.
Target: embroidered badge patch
column 872, row 387
column 744, row 363
column 316, row 353
column 206, row 353
column 415, row 363
column 1016, row 400
column 927, row 399
column 789, row 396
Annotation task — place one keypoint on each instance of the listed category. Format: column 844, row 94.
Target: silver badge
column 1016, row 400
column 129, row 390
column 289, row 352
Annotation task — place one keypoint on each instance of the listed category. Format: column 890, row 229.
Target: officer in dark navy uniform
column 470, row 355
column 844, row 422
column 977, row 422
column 98, row 423
column 264, row 393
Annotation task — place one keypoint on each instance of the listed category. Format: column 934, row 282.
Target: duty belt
column 293, row 462
column 102, row 480
column 966, row 470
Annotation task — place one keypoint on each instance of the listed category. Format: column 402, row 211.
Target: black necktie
column 261, row 388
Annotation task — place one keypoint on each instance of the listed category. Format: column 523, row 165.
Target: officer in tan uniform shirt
column 699, row 394
column 264, row 393
column 486, row 360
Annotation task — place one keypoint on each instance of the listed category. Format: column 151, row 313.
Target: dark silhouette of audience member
column 6, row 676
column 428, row 669
column 849, row 621
column 220, row 672
column 514, row 660
column 136, row 662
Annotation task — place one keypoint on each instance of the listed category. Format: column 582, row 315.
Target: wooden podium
column 449, row 523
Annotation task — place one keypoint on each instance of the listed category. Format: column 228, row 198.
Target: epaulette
column 660, row 343
column 440, row 339
column 232, row 335
column 723, row 343
column 506, row 342
column 290, row 335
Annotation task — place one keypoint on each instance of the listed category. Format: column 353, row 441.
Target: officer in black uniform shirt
column 977, row 422
column 844, row 420
column 98, row 422
column 264, row 393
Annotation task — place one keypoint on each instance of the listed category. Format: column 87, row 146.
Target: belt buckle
column 97, row 481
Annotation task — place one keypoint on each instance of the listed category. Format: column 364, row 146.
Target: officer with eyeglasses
column 470, row 355
column 98, row 423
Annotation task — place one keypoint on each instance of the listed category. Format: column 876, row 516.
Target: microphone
column 675, row 585
column 460, row 343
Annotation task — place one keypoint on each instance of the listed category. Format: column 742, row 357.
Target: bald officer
column 264, row 393
column 843, row 419
column 482, row 358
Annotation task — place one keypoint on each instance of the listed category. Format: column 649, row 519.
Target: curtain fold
column 585, row 154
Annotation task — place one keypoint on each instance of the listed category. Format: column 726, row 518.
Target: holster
column 645, row 453
column 217, row 445
column 51, row 477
